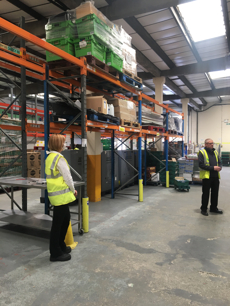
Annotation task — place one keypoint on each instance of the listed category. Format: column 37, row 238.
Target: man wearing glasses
column 210, row 167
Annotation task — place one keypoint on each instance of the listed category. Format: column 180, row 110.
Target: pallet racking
column 81, row 76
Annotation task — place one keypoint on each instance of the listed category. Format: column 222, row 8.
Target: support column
column 140, row 151
column 159, row 82
column 185, row 111
column 94, row 166
column 23, row 126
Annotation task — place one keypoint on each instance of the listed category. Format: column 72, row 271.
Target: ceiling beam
column 226, row 21
column 211, row 93
column 27, row 9
column 149, row 66
column 137, row 27
column 59, row 4
column 195, row 104
column 218, row 64
column 124, row 8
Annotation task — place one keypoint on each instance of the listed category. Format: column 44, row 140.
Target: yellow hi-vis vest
column 58, row 191
column 204, row 174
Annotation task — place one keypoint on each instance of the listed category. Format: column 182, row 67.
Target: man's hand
column 217, row 168
column 75, row 193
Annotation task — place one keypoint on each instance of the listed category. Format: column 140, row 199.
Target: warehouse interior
column 136, row 87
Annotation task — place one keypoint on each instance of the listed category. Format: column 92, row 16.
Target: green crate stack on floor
column 173, row 172
column 94, row 37
column 106, row 144
column 153, row 162
column 225, row 159
column 62, row 35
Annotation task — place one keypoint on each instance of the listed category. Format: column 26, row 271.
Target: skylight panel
column 204, row 19
column 220, row 74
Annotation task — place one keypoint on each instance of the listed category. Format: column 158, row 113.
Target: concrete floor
column 160, row 252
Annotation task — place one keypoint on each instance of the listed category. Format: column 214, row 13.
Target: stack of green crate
column 93, row 35
column 153, row 162
column 64, row 44
column 173, row 172
column 61, row 35
column 225, row 159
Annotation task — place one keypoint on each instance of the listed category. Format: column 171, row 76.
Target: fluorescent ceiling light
column 204, row 19
column 220, row 74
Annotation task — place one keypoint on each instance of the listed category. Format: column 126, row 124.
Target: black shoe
column 67, row 250
column 63, row 257
column 216, row 211
column 204, row 213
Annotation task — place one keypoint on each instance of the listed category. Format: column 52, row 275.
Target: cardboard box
column 152, row 169
column 33, row 160
column 98, row 103
column 122, row 109
column 87, row 8
column 120, row 102
column 33, row 172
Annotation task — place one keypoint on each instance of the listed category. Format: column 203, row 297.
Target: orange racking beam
column 161, row 105
column 18, row 70
column 21, row 62
column 9, row 27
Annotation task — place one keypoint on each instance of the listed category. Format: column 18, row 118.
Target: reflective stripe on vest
column 53, row 194
column 58, row 191
column 205, row 174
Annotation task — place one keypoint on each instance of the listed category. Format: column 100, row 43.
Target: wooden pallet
column 93, row 61
column 132, row 75
column 131, row 124
column 64, row 67
column 126, row 123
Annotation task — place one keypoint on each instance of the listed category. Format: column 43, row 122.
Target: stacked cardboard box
column 150, row 171
column 34, row 164
column 98, row 103
column 124, row 109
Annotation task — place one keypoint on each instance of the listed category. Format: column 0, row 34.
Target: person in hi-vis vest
column 210, row 167
column 61, row 192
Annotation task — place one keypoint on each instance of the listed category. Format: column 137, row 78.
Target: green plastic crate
column 91, row 24
column 63, row 44
column 64, row 29
column 114, row 60
column 90, row 46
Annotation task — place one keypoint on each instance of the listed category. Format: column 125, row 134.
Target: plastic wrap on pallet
column 54, row 31
column 177, row 122
column 148, row 117
column 59, row 18
column 171, row 123
column 89, row 27
column 129, row 62
column 126, row 38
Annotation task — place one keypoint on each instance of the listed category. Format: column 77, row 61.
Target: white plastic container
column 110, row 109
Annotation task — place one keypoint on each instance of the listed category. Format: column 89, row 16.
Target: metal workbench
column 20, row 217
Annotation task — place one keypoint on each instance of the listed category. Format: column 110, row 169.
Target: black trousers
column 61, row 218
column 207, row 184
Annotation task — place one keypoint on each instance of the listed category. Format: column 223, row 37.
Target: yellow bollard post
column 140, row 190
column 85, row 214
column 167, row 179
column 69, row 241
